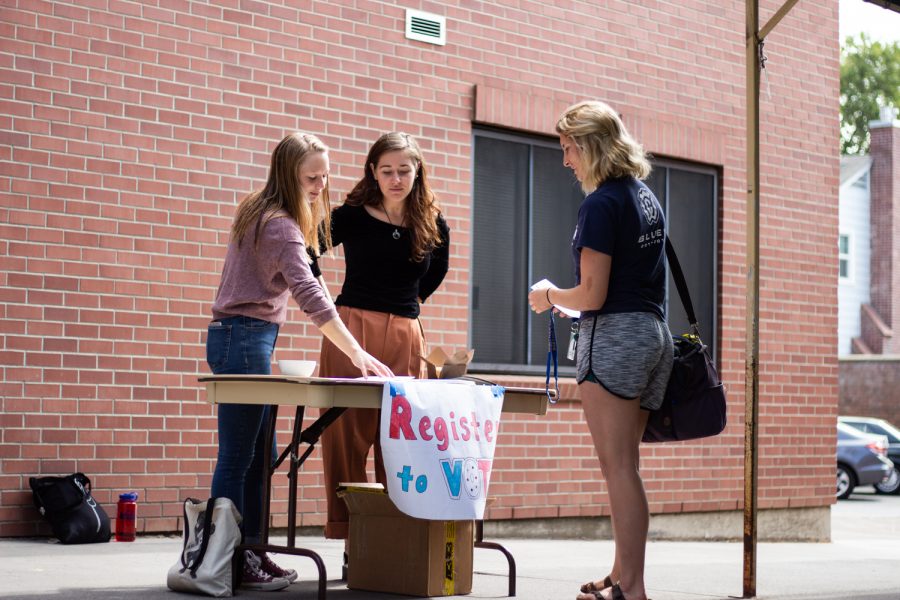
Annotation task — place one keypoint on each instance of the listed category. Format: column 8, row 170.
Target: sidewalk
column 862, row 563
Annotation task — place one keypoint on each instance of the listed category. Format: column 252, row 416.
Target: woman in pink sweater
column 265, row 265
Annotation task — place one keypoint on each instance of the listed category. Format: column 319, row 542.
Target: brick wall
column 870, row 387
column 885, row 216
column 129, row 131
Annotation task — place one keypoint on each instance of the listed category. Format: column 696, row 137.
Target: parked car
column 881, row 427
column 861, row 459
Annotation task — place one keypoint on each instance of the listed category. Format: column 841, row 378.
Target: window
column 844, row 256
column 525, row 206
column 862, row 182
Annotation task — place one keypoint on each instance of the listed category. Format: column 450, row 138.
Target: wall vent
column 426, row 27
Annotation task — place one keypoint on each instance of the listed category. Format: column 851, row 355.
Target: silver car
column 881, row 427
column 861, row 459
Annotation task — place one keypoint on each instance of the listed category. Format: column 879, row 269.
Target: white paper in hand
column 546, row 283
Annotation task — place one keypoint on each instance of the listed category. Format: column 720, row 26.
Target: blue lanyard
column 554, row 359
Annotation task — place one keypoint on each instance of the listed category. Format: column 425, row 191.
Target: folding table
column 334, row 395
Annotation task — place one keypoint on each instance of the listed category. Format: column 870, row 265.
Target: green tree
column 870, row 79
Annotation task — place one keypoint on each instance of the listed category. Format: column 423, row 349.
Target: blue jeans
column 242, row 345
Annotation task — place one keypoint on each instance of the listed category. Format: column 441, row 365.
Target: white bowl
column 297, row 368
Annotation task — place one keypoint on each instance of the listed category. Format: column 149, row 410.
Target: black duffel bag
column 694, row 405
column 67, row 504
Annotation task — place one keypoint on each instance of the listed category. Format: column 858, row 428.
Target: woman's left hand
column 537, row 300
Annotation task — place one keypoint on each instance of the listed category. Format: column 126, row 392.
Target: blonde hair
column 607, row 149
column 283, row 191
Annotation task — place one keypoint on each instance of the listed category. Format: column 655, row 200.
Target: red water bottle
column 126, row 515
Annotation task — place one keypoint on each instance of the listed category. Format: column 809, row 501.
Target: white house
column 854, row 247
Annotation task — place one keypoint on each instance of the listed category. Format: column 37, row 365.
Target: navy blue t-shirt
column 622, row 218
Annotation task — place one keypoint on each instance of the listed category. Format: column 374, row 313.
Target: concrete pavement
column 861, row 563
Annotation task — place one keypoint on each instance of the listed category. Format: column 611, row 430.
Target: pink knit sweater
column 257, row 281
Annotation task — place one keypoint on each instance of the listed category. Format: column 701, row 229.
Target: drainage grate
column 425, row 27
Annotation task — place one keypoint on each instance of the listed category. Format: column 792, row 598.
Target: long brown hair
column 421, row 204
column 283, row 191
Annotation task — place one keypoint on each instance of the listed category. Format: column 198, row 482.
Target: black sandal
column 617, row 593
column 590, row 587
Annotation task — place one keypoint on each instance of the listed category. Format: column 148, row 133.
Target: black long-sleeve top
column 380, row 272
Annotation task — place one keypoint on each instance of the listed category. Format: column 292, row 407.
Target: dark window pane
column 556, row 198
column 691, row 218
column 499, row 251
column 525, row 206
column 657, row 184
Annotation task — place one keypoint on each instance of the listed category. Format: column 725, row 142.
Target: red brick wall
column 870, row 387
column 129, row 131
column 885, row 216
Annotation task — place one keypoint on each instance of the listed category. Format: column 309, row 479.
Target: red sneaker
column 255, row 578
column 275, row 571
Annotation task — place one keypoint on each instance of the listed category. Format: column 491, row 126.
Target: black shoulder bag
column 694, row 404
column 66, row 502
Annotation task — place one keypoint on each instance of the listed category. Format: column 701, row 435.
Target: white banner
column 437, row 440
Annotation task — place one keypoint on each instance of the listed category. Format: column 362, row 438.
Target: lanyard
column 552, row 358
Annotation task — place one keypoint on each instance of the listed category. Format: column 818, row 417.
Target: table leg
column 309, row 436
column 292, row 477
column 269, row 469
column 480, row 543
column 238, row 562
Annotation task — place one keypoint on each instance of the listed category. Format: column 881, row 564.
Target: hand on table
column 366, row 363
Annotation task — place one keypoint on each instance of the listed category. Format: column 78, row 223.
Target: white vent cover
column 426, row 27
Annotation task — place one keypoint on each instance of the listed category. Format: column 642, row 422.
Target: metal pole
column 755, row 36
column 751, row 377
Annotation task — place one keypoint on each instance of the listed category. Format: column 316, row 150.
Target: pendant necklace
column 396, row 234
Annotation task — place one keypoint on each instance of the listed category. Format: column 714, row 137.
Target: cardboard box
column 394, row 553
column 446, row 366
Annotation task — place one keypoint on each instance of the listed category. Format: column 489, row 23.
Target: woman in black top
column 396, row 250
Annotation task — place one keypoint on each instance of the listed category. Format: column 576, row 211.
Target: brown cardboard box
column 395, row 553
column 444, row 366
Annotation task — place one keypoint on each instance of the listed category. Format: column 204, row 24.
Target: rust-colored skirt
column 398, row 343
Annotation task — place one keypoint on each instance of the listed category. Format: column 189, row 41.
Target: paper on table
column 375, row 378
column 546, row 283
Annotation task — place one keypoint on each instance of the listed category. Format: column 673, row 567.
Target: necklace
column 396, row 234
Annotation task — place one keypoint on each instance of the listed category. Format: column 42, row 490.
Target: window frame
column 846, row 256
column 533, row 139
column 710, row 331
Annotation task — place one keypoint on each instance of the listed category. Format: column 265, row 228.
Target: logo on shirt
column 648, row 207
column 651, row 215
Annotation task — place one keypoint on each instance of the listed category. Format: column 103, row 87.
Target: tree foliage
column 870, row 79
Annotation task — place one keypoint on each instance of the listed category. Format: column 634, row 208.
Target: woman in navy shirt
column 624, row 352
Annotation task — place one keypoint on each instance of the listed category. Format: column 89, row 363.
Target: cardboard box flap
column 446, row 366
column 368, row 499
column 371, row 488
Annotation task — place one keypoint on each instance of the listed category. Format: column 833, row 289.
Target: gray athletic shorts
column 629, row 354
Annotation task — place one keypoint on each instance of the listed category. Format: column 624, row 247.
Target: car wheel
column 846, row 481
column 891, row 485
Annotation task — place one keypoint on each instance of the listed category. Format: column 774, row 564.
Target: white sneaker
column 254, row 578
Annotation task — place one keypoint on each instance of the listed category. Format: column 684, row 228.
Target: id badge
column 573, row 342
